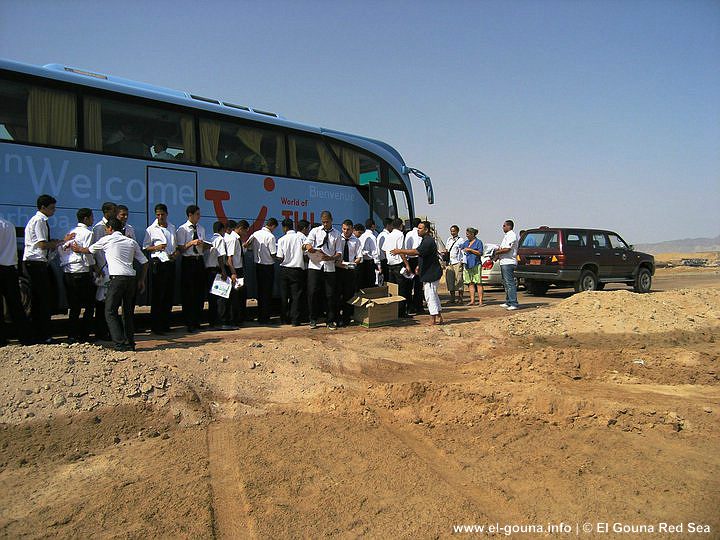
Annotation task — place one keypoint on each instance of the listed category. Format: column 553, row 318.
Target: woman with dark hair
column 472, row 250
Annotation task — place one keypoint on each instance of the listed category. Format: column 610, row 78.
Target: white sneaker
column 504, row 305
column 511, row 308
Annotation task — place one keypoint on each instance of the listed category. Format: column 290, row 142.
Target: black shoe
column 332, row 326
column 226, row 327
column 313, row 325
column 192, row 330
column 158, row 332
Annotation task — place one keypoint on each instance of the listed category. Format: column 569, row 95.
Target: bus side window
column 37, row 115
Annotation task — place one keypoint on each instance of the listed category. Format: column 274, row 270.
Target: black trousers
column 162, row 290
column 292, row 286
column 193, row 289
column 232, row 310
column 39, row 274
column 321, row 283
column 80, row 290
column 10, row 290
column 346, row 287
column 416, row 288
column 385, row 270
column 265, row 274
column 366, row 274
column 394, row 276
column 121, row 292
column 214, row 301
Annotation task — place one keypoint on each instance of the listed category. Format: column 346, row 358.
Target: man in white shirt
column 368, row 248
column 120, row 251
column 412, row 241
column 78, row 277
column 370, row 226
column 382, row 256
column 350, row 249
column 321, row 246
column 109, row 210
column 216, row 263
column 454, row 268
column 190, row 242
column 234, row 315
column 123, row 214
column 38, row 246
column 160, row 243
column 507, row 255
column 292, row 273
column 396, row 240
column 160, row 148
column 9, row 288
column 264, row 246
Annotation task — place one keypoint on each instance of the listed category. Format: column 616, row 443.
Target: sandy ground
column 587, row 408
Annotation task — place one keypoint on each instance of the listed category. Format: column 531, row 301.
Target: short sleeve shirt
column 429, row 263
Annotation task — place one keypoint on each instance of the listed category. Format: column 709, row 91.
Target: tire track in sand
column 230, row 505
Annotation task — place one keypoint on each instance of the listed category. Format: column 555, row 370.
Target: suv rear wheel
column 536, row 288
column 588, row 281
column 643, row 281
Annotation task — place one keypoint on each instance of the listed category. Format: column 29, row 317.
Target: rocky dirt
column 599, row 407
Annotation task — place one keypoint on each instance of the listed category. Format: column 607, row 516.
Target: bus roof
column 121, row 85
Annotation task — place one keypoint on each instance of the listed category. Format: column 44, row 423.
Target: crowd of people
column 320, row 269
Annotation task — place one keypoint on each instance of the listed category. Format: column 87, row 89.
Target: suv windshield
column 541, row 239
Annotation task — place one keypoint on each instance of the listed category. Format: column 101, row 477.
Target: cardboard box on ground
column 377, row 306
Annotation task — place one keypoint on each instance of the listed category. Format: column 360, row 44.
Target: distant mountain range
column 687, row 245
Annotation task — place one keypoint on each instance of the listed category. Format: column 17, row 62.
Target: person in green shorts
column 472, row 249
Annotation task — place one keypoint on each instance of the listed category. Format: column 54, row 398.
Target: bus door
column 388, row 202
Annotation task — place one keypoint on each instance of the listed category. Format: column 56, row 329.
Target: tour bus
column 86, row 138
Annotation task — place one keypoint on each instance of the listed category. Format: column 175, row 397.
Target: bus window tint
column 362, row 169
column 37, row 115
column 401, row 205
column 135, row 130
column 311, row 159
column 394, row 177
column 244, row 148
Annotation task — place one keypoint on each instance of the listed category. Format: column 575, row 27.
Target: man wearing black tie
column 351, row 250
column 35, row 258
column 190, row 242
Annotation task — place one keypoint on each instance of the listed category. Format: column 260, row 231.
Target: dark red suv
column 586, row 259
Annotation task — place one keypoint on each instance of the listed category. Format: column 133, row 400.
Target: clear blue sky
column 589, row 113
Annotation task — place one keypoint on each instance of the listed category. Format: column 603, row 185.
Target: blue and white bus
column 86, row 138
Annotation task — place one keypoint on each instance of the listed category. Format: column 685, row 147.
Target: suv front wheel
column 643, row 281
column 588, row 281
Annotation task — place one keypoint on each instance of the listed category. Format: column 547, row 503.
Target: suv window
column 576, row 239
column 599, row 241
column 616, row 242
column 542, row 239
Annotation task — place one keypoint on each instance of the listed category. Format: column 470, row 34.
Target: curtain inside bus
column 209, row 142
column 51, row 117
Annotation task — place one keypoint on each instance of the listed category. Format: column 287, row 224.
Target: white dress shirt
column 264, row 246
column 8, row 244
column 380, row 241
column 36, row 231
column 77, row 263
column 130, row 231
column 510, row 240
column 412, row 241
column 185, row 233
column 156, row 235
column 216, row 250
column 368, row 246
column 290, row 250
column 394, row 240
column 326, row 242
column 234, row 249
column 354, row 249
column 119, row 252
column 453, row 246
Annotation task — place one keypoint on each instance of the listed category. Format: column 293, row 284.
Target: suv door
column 602, row 254
column 623, row 264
